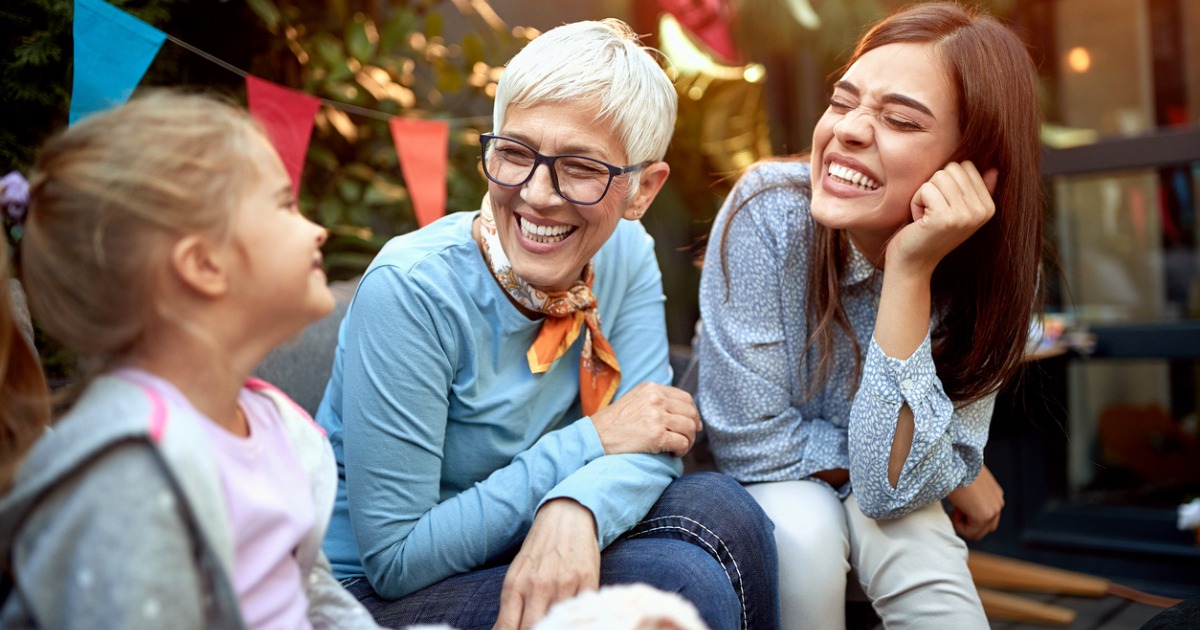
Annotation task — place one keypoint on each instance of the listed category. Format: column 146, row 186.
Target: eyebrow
column 285, row 191
column 897, row 99
column 574, row 149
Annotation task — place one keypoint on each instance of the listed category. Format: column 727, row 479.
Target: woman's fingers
column 536, row 607
column 559, row 558
column 651, row 418
column 511, row 607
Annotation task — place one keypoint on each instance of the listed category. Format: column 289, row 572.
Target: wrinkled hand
column 946, row 210
column 977, row 507
column 652, row 419
column 559, row 559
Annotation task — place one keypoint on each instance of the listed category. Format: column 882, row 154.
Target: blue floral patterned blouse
column 754, row 375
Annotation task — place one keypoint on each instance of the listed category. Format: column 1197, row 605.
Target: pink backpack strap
column 158, row 413
column 258, row 385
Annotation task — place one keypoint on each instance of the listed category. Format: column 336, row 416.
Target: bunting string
column 346, row 107
column 113, row 50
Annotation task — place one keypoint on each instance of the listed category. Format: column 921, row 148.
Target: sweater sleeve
column 399, row 360
column 330, row 606
column 948, row 441
column 620, row 489
column 80, row 563
column 750, row 379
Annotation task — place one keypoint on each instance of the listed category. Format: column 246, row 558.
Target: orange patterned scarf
column 566, row 313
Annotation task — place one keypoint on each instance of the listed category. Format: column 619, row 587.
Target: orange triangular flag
column 423, row 147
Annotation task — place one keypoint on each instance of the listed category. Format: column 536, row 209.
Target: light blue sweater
column 754, row 374
column 446, row 442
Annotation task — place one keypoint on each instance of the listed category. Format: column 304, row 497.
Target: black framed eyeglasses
column 579, row 179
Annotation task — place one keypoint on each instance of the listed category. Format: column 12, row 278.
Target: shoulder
column 431, row 263
column 290, row 412
column 779, row 189
column 124, row 483
column 432, row 249
column 786, row 174
column 769, row 204
column 79, row 556
column 110, row 410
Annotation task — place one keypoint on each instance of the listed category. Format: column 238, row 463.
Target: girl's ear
column 200, row 266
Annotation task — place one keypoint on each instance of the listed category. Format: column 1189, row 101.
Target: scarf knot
column 568, row 313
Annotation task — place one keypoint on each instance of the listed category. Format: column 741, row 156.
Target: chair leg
column 1002, row 606
column 993, row 571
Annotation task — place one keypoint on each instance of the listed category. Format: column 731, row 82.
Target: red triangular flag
column 288, row 118
column 423, row 147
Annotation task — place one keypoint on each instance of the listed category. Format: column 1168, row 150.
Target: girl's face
column 281, row 278
column 892, row 122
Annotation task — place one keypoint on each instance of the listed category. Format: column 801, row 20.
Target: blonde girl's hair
column 107, row 198
column 24, row 401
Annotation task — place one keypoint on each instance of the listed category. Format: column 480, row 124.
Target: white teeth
column 852, row 177
column 544, row 233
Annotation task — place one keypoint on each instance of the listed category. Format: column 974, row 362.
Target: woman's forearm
column 900, row 326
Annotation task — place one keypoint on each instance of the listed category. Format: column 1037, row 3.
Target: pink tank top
column 270, row 507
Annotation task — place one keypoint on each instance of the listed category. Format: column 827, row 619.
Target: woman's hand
column 977, row 506
column 651, row 418
column 559, row 559
column 946, row 210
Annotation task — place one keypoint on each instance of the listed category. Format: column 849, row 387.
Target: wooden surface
column 1091, row 613
column 999, row 572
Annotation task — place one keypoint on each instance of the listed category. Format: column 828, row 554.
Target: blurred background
column 1099, row 443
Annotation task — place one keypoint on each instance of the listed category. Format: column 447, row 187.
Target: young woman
column 164, row 246
column 863, row 305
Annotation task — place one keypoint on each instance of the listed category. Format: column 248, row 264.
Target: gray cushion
column 301, row 367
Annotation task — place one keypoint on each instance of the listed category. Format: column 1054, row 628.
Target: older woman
column 499, row 403
column 863, row 304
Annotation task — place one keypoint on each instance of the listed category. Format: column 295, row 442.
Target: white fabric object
column 1189, row 515
column 623, row 607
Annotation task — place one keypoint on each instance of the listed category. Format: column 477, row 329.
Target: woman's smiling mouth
column 547, row 234
column 846, row 175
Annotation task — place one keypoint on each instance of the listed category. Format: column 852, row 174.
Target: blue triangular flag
column 113, row 49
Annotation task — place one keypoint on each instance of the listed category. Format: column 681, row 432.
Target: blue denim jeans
column 705, row 539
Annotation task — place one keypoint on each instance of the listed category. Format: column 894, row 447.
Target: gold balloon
column 722, row 125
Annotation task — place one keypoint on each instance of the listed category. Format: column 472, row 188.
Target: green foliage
column 36, row 51
column 35, row 69
column 396, row 61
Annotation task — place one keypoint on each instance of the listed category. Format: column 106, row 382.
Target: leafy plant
column 397, row 60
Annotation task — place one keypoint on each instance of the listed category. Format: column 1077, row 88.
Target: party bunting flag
column 288, row 117
column 113, row 49
column 423, row 148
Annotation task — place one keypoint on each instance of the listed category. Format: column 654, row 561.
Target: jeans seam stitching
column 740, row 593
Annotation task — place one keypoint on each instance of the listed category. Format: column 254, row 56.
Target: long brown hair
column 986, row 290
column 24, row 400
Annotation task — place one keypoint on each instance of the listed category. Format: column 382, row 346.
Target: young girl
column 165, row 247
column 861, row 308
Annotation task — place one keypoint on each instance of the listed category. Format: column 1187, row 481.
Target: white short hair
column 600, row 62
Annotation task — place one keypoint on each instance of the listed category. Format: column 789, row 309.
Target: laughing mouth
column 851, row 177
column 544, row 233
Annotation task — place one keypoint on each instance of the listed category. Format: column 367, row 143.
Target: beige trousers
column 913, row 568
